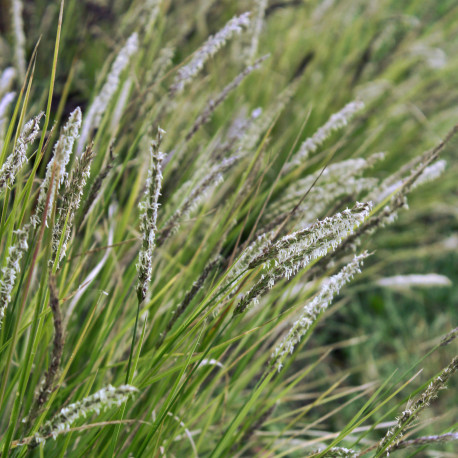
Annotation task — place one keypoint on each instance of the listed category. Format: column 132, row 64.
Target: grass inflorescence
column 204, row 252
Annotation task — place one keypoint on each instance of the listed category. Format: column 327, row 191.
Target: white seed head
column 328, row 290
column 12, row 269
column 435, row 58
column 148, row 218
column 19, row 36
column 104, row 399
column 18, row 157
column 414, row 407
column 5, row 102
column 213, row 44
column 70, row 203
column 58, row 163
column 417, row 280
column 203, row 188
column 430, row 173
column 99, row 105
column 6, row 80
column 335, row 122
column 295, row 251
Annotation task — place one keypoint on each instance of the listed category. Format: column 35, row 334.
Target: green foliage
column 252, row 156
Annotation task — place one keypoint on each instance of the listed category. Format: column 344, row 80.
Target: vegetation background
column 399, row 58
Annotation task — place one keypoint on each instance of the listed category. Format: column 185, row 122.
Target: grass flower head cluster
column 202, row 248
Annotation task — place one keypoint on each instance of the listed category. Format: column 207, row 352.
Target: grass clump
column 200, row 290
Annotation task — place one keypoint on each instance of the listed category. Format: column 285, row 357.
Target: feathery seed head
column 430, row 173
column 19, row 36
column 6, row 80
column 149, row 207
column 407, row 281
column 70, row 203
column 283, row 259
column 94, row 115
column 5, row 103
column 318, row 198
column 393, row 435
column 198, row 193
column 328, row 232
column 209, row 49
column 450, row 337
column 62, row 152
column 339, row 452
column 18, row 157
column 314, row 307
column 12, row 269
column 214, row 103
column 104, row 399
column 335, row 122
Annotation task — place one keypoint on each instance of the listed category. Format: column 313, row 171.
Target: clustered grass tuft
column 191, row 290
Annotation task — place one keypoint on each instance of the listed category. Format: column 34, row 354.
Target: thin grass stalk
column 58, row 346
column 392, row 437
column 207, row 112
